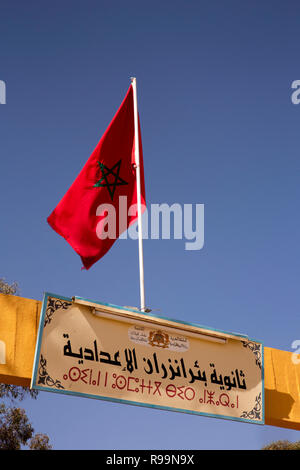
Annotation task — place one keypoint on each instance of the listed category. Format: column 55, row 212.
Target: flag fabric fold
column 102, row 201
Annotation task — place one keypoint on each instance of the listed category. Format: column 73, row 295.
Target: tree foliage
column 282, row 445
column 16, row 431
column 10, row 289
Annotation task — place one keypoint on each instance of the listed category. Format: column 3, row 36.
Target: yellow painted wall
column 19, row 320
column 282, row 389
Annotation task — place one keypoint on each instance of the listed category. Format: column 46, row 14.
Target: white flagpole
column 138, row 183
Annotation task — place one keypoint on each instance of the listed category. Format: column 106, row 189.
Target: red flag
column 94, row 211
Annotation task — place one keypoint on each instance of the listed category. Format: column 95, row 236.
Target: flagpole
column 138, row 184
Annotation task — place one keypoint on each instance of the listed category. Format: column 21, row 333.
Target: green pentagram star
column 104, row 183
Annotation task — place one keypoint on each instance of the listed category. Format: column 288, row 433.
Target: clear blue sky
column 218, row 128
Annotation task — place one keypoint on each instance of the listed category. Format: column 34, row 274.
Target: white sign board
column 103, row 351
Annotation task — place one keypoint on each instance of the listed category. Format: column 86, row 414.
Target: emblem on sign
column 159, row 338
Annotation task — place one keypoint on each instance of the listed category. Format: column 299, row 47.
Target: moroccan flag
column 102, row 201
